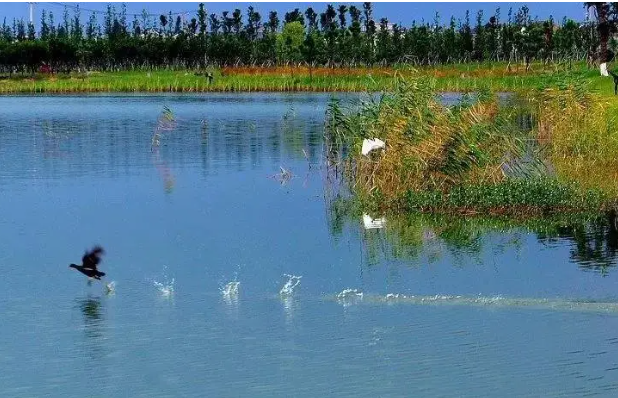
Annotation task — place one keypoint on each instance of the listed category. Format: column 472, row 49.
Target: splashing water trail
column 353, row 296
column 229, row 293
column 110, row 288
column 348, row 297
column 230, row 289
column 166, row 287
column 291, row 284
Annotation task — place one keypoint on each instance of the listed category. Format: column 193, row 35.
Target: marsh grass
column 476, row 156
column 455, row 77
column 580, row 129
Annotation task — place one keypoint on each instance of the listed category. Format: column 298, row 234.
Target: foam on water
column 291, row 284
column 347, row 295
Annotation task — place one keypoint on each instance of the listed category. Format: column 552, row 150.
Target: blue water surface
column 212, row 204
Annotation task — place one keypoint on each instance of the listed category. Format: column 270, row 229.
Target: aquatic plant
column 474, row 156
column 456, row 78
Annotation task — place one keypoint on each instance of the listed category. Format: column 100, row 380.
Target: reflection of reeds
column 165, row 122
column 284, row 176
column 592, row 238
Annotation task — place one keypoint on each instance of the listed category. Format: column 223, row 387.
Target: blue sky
column 403, row 13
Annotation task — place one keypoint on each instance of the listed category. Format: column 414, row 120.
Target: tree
column 293, row 16
column 606, row 25
column 163, row 20
column 479, row 38
column 329, row 29
column 289, row 42
column 312, row 19
column 44, row 28
column 215, row 24
column 201, row 19
column 91, row 28
column 237, row 21
column 21, row 30
column 355, row 30
column 465, row 33
column 77, row 28
column 342, row 10
column 178, row 26
column 31, row 32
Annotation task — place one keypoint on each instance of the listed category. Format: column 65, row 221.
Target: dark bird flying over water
column 89, row 263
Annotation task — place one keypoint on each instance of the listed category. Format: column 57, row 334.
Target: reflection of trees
column 594, row 245
column 593, row 239
column 80, row 146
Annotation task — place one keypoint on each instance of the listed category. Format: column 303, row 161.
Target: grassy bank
column 550, row 149
column 459, row 78
column 189, row 82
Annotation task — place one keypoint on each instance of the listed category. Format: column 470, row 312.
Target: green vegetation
column 456, row 78
column 188, row 82
column 345, row 36
column 479, row 156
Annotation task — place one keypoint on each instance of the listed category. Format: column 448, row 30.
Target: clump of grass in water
column 448, row 158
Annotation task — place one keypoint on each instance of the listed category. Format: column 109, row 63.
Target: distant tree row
column 341, row 36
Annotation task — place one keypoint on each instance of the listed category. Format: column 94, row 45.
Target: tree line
column 339, row 36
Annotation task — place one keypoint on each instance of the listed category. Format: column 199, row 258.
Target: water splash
column 229, row 293
column 291, row 284
column 497, row 301
column 348, row 297
column 166, row 287
column 110, row 288
column 230, row 289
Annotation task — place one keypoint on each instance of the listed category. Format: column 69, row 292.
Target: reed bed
column 187, row 82
column 456, row 78
column 476, row 157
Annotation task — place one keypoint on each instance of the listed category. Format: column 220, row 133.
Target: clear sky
column 403, row 13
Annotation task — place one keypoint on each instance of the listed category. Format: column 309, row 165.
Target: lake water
column 236, row 191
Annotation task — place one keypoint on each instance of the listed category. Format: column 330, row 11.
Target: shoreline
column 464, row 78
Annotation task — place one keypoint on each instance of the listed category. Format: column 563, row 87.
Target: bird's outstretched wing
column 92, row 258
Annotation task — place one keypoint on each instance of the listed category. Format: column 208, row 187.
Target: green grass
column 512, row 196
column 475, row 157
column 184, row 81
column 457, row 78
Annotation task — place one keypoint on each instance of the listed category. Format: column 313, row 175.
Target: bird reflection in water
column 92, row 313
